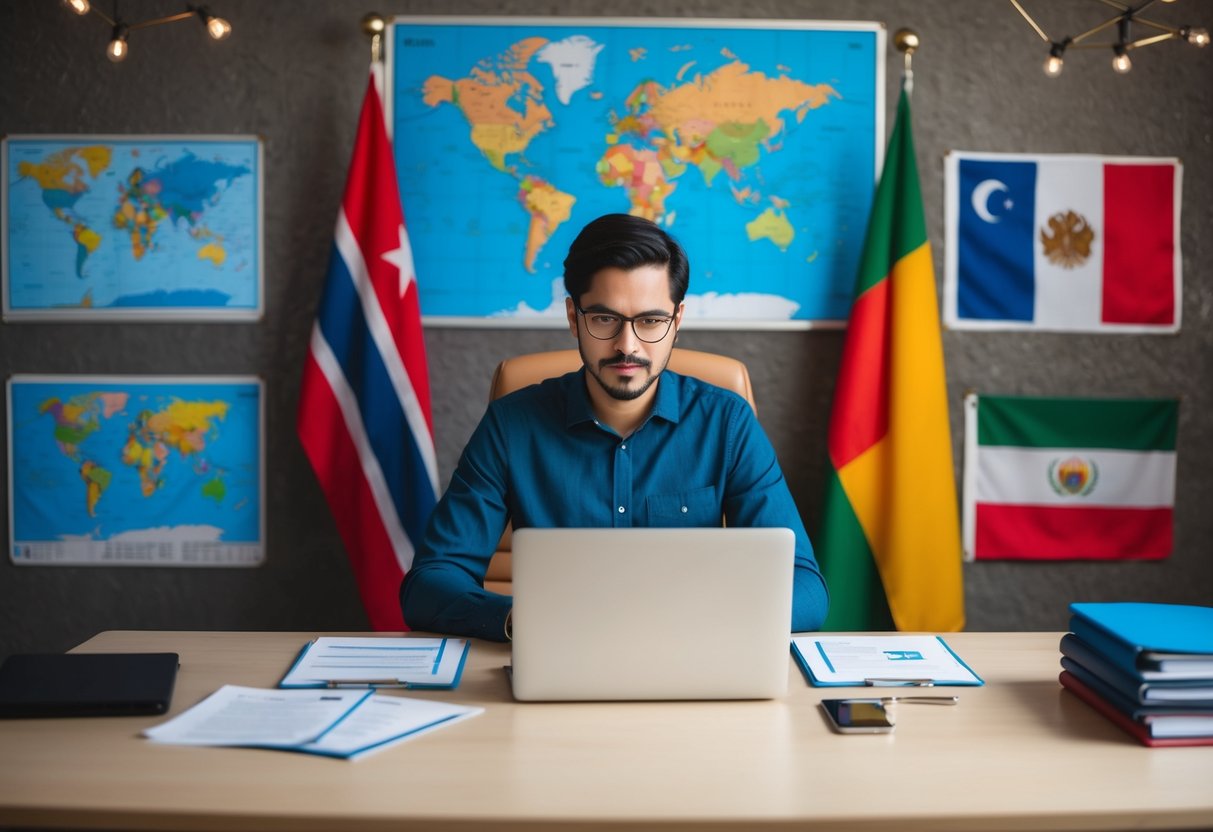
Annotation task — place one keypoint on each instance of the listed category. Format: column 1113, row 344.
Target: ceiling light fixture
column 117, row 48
column 1127, row 16
column 119, row 45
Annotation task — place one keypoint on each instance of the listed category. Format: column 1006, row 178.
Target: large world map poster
column 755, row 143
column 136, row 470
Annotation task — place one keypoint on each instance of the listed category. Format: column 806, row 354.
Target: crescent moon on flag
column 981, row 198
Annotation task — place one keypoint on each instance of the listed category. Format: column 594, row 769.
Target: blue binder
column 1152, row 641
column 1189, row 693
column 1124, row 704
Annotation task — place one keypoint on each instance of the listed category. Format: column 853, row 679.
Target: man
column 621, row 442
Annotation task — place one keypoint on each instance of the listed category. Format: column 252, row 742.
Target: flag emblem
column 1067, row 240
column 1074, row 476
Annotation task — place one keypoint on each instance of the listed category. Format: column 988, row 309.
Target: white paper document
column 381, row 721
column 335, row 723
column 378, row 662
column 235, row 715
column 880, row 660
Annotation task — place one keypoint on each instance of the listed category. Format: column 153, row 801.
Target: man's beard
column 627, row 391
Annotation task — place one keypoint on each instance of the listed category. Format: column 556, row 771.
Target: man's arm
column 757, row 495
column 444, row 590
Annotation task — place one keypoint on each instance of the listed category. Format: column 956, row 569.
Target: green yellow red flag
column 889, row 543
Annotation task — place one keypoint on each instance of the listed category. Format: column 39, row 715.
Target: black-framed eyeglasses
column 607, row 325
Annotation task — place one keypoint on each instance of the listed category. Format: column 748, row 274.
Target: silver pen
column 899, row 683
column 925, row 700
column 364, row 683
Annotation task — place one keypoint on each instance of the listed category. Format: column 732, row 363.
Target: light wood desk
column 1019, row 753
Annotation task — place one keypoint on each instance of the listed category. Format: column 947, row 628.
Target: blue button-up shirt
column 539, row 458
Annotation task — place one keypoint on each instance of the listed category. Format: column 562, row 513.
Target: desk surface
column 1019, row 753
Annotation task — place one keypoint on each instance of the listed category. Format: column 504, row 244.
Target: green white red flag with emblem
column 1069, row 478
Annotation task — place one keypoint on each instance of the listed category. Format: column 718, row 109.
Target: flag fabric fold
column 1069, row 478
column 889, row 543
column 364, row 406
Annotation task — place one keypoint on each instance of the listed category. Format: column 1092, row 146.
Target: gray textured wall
column 294, row 72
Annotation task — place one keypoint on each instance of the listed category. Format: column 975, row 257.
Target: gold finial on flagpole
column 907, row 42
column 373, row 26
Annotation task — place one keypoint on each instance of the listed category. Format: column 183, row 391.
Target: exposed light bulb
column 1054, row 64
column 1196, row 35
column 218, row 28
column 1121, row 62
column 117, row 49
column 78, row 6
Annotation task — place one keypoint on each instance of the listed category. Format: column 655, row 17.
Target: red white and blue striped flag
column 364, row 407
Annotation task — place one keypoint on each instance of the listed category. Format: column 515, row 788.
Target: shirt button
column 684, row 509
column 622, row 509
column 623, row 447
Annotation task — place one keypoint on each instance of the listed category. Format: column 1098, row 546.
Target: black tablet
column 86, row 684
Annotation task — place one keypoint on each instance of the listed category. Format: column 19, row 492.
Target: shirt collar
column 577, row 407
column 667, row 404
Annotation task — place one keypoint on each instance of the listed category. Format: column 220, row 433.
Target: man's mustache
column 625, row 359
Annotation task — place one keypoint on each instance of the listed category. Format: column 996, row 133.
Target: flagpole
column 889, row 542
column 907, row 41
column 373, row 26
column 364, row 417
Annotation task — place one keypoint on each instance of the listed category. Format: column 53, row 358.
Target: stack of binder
column 1146, row 667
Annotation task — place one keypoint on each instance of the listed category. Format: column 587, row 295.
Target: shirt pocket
column 698, row 507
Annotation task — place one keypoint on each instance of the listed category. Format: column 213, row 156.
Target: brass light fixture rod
column 1126, row 17
column 117, row 50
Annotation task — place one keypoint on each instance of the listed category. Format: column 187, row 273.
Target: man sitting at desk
column 621, row 442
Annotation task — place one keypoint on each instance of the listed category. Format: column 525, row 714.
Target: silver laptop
column 613, row 614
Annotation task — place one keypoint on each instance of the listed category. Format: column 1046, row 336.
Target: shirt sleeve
column 444, row 590
column 757, row 496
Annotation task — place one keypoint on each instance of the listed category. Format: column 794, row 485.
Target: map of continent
column 756, row 148
column 135, row 471
column 122, row 227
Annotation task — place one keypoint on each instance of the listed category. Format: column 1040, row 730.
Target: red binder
column 1123, row 720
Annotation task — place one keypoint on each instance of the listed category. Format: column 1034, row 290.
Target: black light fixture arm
column 216, row 27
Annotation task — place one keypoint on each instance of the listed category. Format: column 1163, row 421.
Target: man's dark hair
column 624, row 242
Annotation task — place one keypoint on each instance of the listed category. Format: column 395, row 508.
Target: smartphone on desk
column 859, row 716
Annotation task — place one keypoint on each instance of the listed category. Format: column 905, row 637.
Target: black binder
column 86, row 684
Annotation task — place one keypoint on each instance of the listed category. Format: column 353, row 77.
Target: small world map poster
column 156, row 228
column 755, row 143
column 136, row 470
